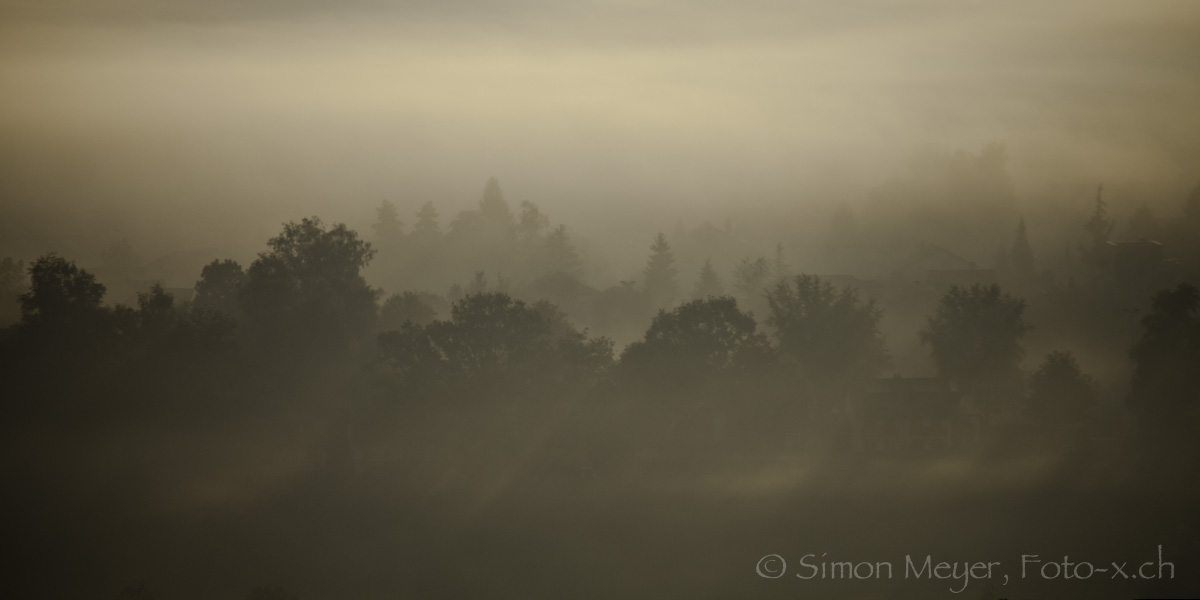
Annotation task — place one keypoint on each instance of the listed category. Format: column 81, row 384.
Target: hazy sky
column 194, row 112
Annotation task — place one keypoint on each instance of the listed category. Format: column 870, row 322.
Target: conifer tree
column 709, row 284
column 660, row 282
column 427, row 221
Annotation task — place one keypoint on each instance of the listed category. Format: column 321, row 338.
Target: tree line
column 301, row 327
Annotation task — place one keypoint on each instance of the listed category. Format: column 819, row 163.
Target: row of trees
column 303, row 313
column 492, row 237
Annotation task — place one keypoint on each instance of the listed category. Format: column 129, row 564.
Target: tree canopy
column 975, row 337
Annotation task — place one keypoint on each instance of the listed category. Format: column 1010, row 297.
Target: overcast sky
column 271, row 109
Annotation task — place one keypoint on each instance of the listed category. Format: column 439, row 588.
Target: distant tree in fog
column 1021, row 257
column 779, row 266
column 751, row 278
column 975, row 337
column 427, row 226
column 532, row 224
column 477, row 285
column 493, row 207
column 220, row 283
column 408, row 307
column 1166, row 379
column 832, row 335
column 1059, row 390
column 1099, row 228
column 660, row 278
column 560, row 254
column 709, row 283
column 388, row 229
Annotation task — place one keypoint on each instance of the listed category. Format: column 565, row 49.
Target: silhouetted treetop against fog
column 546, row 299
column 493, row 206
column 660, row 278
column 388, row 229
column 408, row 307
column 491, row 339
column 560, row 253
column 60, row 293
column 975, row 338
column 1059, row 390
column 220, row 283
column 532, row 224
column 751, row 279
column 696, row 342
column 308, row 288
column 427, row 222
column 831, row 335
column 1166, row 382
column 708, row 283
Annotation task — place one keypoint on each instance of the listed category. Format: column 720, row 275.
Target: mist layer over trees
column 598, row 299
column 339, row 382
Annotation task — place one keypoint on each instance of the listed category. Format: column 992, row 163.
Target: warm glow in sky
column 168, row 106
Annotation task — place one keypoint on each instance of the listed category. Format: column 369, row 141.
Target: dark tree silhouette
column 307, row 291
column 694, row 343
column 1059, row 390
column 1166, row 380
column 975, row 338
column 156, row 309
column 709, row 283
column 660, row 278
column 495, row 343
column 832, row 335
column 61, row 294
column 220, row 283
